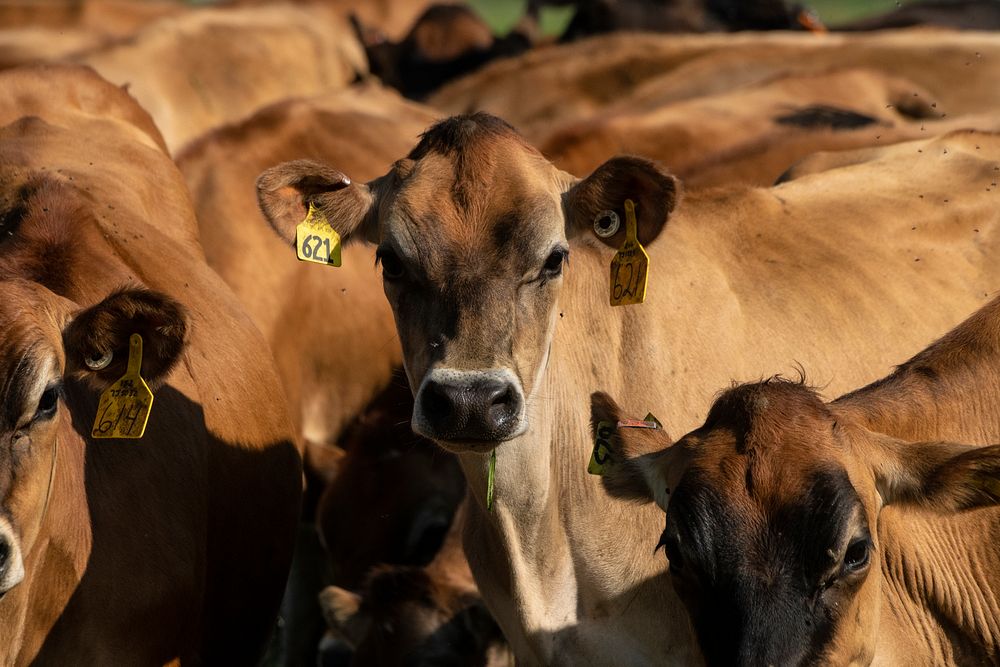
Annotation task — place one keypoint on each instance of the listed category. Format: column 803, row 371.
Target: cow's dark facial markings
column 392, row 266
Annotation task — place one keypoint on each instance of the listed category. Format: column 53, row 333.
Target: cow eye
column 554, row 264
column 858, row 554
column 392, row 265
column 48, row 403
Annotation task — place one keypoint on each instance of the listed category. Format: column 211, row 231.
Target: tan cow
column 502, row 345
column 133, row 551
column 365, row 127
column 547, row 87
column 116, row 18
column 213, row 66
column 752, row 134
column 800, row 532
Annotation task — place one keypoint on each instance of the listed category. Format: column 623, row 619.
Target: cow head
column 473, row 230
column 47, row 347
column 772, row 518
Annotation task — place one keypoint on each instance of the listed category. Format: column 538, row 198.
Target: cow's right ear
column 286, row 191
column 639, row 458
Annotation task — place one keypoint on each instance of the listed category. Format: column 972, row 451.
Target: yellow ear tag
column 602, row 448
column 124, row 408
column 630, row 267
column 601, row 455
column 316, row 241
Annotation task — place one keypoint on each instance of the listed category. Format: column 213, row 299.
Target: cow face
column 473, row 231
column 47, row 347
column 772, row 512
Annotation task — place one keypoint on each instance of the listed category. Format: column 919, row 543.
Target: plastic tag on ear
column 602, row 448
column 123, row 410
column 630, row 266
column 316, row 241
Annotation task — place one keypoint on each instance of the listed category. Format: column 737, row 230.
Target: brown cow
column 429, row 615
column 332, row 367
column 182, row 68
column 114, row 18
column 547, row 87
column 752, row 134
column 133, row 552
column 502, row 345
column 446, row 42
column 800, row 532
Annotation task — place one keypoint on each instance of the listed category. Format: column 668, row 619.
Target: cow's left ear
column 640, row 460
column 344, row 614
column 942, row 477
column 97, row 338
column 598, row 201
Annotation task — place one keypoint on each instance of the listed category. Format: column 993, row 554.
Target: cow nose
column 484, row 409
column 11, row 567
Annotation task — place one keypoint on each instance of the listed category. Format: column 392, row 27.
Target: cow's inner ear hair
column 593, row 204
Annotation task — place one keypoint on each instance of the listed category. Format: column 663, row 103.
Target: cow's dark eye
column 858, row 554
column 554, row 264
column 48, row 403
column 392, row 265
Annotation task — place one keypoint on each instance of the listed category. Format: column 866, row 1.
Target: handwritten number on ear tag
column 123, row 410
column 315, row 240
column 630, row 266
column 601, row 455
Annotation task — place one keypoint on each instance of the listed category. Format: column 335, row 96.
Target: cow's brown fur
column 931, row 506
column 135, row 552
column 738, row 278
column 181, row 68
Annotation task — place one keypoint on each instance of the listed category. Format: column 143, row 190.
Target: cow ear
column 639, row 458
column 97, row 338
column 286, row 191
column 599, row 200
column 942, row 477
column 344, row 614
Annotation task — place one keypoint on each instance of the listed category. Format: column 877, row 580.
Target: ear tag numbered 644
column 123, row 410
column 316, row 240
column 630, row 266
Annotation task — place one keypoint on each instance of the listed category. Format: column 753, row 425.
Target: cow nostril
column 504, row 398
column 4, row 554
column 435, row 401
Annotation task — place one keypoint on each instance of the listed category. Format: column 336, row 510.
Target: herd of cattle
column 386, row 463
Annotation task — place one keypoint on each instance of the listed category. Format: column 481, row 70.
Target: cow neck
column 928, row 602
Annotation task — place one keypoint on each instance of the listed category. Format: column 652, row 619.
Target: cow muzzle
column 11, row 563
column 469, row 410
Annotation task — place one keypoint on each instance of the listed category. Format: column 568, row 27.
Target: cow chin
column 465, row 410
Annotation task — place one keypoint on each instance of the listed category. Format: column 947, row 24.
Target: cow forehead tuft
column 763, row 414
column 462, row 133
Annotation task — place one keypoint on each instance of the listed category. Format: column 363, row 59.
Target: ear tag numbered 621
column 124, row 407
column 630, row 266
column 316, row 241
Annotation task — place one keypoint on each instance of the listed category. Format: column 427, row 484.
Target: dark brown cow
column 446, row 42
column 853, row 532
column 429, row 615
column 133, row 551
column 503, row 341
column 593, row 17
